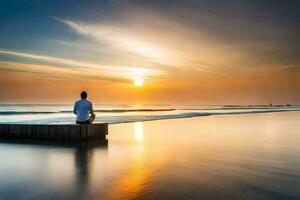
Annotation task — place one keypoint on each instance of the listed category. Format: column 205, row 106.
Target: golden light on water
column 138, row 131
column 138, row 82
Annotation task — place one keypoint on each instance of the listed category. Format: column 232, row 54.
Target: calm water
column 248, row 156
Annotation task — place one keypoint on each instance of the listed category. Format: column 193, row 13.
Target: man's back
column 82, row 109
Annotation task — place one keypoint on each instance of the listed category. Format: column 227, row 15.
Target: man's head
column 83, row 95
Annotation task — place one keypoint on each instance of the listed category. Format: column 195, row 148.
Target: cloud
column 202, row 37
column 157, row 43
column 120, row 39
column 118, row 72
column 48, row 71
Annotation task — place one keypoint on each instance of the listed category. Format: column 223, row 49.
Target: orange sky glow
column 138, row 54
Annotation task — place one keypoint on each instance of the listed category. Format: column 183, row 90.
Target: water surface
column 247, row 156
column 62, row 114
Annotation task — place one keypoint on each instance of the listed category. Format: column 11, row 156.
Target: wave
column 135, row 110
column 97, row 110
column 192, row 114
column 26, row 112
column 222, row 108
column 114, row 119
column 245, row 107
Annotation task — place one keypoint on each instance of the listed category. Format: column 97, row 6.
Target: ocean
column 62, row 114
column 216, row 157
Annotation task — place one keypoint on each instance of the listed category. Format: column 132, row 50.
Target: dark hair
column 83, row 95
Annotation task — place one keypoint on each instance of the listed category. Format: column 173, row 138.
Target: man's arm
column 91, row 108
column 93, row 116
column 75, row 109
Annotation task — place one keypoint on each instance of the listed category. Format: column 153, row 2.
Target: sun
column 138, row 82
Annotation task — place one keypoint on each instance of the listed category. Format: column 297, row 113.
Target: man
column 82, row 109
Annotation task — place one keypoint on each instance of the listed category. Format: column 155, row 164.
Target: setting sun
column 138, row 82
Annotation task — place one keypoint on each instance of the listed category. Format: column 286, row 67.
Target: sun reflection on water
column 138, row 131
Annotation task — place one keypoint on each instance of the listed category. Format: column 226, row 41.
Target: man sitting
column 82, row 109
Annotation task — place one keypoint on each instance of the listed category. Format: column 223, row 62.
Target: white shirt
column 82, row 109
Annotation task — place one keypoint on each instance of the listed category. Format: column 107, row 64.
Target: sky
column 169, row 51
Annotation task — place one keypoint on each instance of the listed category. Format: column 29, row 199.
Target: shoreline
column 207, row 115
column 144, row 118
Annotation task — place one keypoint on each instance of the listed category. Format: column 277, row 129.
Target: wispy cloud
column 120, row 72
column 164, row 43
column 120, row 39
column 53, row 72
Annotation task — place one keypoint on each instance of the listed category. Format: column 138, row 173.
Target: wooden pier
column 61, row 132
